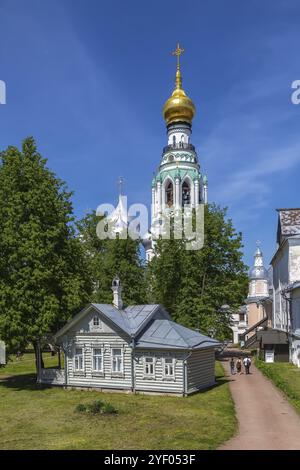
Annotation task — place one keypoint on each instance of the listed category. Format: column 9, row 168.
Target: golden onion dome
column 179, row 107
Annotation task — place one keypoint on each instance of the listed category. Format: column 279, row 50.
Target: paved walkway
column 266, row 419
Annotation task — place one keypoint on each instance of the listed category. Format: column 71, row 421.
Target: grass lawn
column 286, row 377
column 44, row 418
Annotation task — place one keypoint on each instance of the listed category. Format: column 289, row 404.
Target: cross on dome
column 178, row 51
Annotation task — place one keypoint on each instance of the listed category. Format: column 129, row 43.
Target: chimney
column 117, row 290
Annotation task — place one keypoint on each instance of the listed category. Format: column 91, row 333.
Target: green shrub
column 96, row 407
column 108, row 409
column 80, row 408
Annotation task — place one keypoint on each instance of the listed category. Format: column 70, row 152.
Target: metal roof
column 168, row 334
column 131, row 319
column 288, row 223
column 154, row 332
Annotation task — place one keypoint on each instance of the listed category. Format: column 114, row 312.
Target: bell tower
column 258, row 289
column 178, row 181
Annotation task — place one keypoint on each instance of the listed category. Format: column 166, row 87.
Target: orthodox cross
column 178, row 51
column 258, row 243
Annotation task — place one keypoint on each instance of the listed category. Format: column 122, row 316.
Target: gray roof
column 258, row 272
column 131, row 319
column 288, row 223
column 151, row 325
column 168, row 334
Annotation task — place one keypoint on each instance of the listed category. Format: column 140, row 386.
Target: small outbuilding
column 137, row 348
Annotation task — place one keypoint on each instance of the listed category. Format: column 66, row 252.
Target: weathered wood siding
column 200, row 369
column 89, row 378
column 159, row 383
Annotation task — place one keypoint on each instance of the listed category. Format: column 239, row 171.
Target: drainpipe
column 66, row 367
column 132, row 345
column 65, row 350
column 289, row 317
column 185, row 383
column 39, row 362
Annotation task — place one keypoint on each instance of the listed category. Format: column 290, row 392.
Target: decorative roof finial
column 178, row 81
column 120, row 185
column 178, row 51
column 179, row 107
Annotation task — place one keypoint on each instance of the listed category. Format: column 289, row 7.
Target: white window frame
column 149, row 375
column 173, row 365
column 98, row 324
column 113, row 372
column 76, row 370
column 99, row 348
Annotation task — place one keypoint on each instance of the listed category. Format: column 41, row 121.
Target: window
column 117, row 360
column 97, row 360
column 96, row 321
column 149, row 366
column 169, row 194
column 242, row 317
column 169, row 369
column 78, row 359
column 186, row 194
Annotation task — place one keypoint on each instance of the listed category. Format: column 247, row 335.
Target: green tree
column 110, row 257
column 194, row 285
column 43, row 275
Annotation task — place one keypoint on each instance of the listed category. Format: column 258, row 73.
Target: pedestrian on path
column 239, row 366
column 247, row 364
column 232, row 366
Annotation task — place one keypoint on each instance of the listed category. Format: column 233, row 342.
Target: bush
column 96, row 407
column 109, row 409
column 80, row 408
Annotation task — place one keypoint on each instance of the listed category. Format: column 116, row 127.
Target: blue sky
column 88, row 79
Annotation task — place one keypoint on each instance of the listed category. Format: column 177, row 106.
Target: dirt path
column 266, row 419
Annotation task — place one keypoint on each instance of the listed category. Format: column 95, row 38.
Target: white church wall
column 280, row 281
column 294, row 261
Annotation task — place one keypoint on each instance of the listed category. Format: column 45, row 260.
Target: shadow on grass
column 22, row 382
column 220, row 380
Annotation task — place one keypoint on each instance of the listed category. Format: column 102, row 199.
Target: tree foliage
column 193, row 285
column 110, row 257
column 43, row 274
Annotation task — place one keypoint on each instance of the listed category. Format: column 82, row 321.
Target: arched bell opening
column 186, row 193
column 169, row 194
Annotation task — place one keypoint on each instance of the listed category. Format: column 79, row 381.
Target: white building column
column 153, row 203
column 177, row 193
column 205, row 193
column 158, row 197
column 196, row 186
column 192, row 193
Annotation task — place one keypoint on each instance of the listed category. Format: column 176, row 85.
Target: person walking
column 239, row 366
column 232, row 366
column 247, row 364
